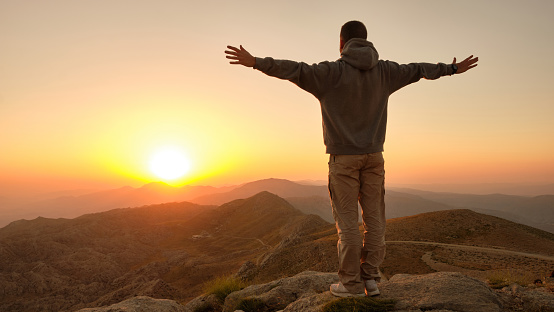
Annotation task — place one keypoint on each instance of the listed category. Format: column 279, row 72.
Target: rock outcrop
column 140, row 304
column 277, row 295
column 517, row 298
column 441, row 291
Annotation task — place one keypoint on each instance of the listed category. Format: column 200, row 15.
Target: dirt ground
column 479, row 263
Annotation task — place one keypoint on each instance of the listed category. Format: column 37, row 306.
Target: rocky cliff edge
column 309, row 292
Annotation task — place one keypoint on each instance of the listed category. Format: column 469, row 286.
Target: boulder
column 247, row 271
column 310, row 303
column 202, row 303
column 278, row 294
column 441, row 291
column 140, row 304
column 537, row 300
column 529, row 299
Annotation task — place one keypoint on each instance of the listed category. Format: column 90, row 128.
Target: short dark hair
column 353, row 29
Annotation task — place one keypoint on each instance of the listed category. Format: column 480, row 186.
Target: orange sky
column 90, row 90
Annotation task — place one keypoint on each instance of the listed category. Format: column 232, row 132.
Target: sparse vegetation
column 503, row 278
column 222, row 286
column 251, row 305
column 363, row 304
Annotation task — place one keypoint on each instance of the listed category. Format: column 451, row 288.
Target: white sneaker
column 340, row 291
column 371, row 288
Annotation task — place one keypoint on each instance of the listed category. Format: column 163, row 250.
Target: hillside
column 96, row 259
column 503, row 242
column 163, row 251
column 467, row 227
column 168, row 251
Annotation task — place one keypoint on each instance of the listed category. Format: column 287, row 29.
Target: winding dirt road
column 475, row 248
column 251, row 238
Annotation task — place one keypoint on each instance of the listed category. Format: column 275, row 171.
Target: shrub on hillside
column 503, row 278
column 222, row 286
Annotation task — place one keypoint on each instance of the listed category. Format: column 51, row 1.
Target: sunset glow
column 92, row 91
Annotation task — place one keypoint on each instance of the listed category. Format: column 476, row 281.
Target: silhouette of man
column 353, row 92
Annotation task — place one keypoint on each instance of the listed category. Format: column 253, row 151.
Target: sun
column 169, row 164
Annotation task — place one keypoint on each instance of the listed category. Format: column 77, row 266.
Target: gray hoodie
column 353, row 92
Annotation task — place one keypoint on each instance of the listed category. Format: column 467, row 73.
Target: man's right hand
column 241, row 56
column 466, row 64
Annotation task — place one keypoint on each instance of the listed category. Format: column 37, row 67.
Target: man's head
column 350, row 30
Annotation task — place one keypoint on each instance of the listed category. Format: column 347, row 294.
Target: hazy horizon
column 97, row 95
column 518, row 189
column 517, row 203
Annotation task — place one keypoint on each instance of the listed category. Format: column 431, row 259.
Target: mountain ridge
column 535, row 211
column 281, row 187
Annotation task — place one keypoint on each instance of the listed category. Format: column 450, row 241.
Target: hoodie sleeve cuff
column 449, row 69
column 258, row 65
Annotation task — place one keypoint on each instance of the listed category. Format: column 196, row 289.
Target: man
column 353, row 92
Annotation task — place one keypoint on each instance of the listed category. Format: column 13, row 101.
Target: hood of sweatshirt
column 360, row 53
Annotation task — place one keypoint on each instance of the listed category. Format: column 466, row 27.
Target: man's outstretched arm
column 312, row 78
column 240, row 56
column 403, row 75
column 466, row 64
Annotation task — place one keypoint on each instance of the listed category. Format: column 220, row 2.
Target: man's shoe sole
column 373, row 293
column 346, row 295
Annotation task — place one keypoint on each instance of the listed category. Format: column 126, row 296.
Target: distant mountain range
column 74, row 206
column 169, row 250
column 535, row 211
column 519, row 189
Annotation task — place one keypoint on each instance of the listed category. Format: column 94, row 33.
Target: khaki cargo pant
column 354, row 178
